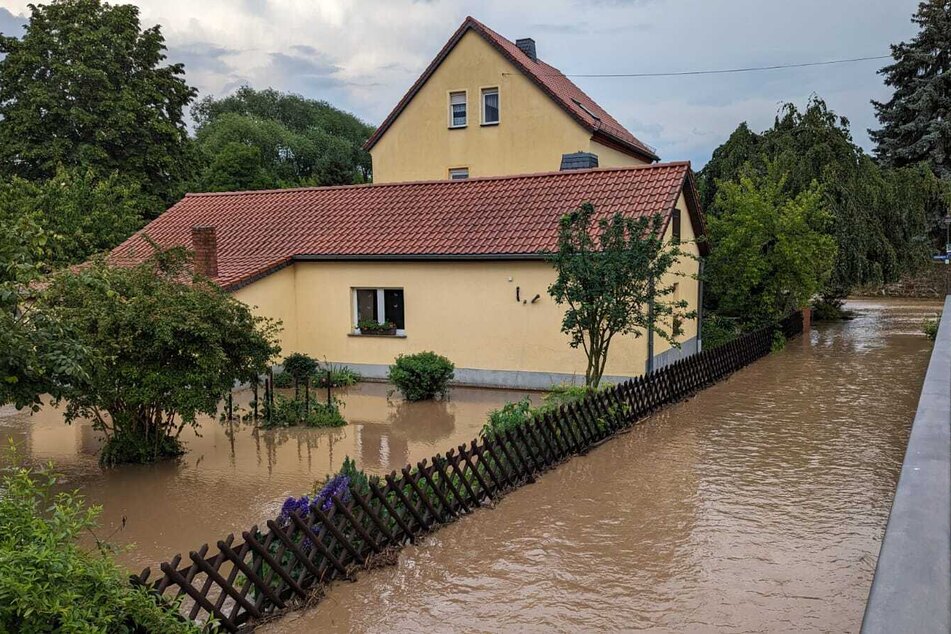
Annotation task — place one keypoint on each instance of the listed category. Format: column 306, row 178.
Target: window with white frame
column 382, row 306
column 458, row 173
column 490, row 106
column 457, row 109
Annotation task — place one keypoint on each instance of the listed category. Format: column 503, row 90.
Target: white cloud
column 363, row 55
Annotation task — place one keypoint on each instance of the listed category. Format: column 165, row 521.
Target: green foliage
column 264, row 139
column 882, row 217
column 422, row 376
column 48, row 583
column 36, row 354
column 915, row 123
column 770, row 252
column 81, row 213
column 565, row 394
column 930, row 327
column 718, row 330
column 336, row 376
column 107, row 101
column 299, row 366
column 290, row 412
column 830, row 309
column 779, row 341
column 610, row 273
column 372, row 327
column 163, row 349
column 509, row 417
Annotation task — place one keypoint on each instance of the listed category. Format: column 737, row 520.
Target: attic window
column 458, row 173
column 490, row 106
column 675, row 226
column 586, row 109
column 457, row 109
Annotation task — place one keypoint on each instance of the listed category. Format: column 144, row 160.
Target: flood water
column 234, row 475
column 757, row 506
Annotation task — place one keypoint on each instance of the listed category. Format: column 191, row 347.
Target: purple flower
column 338, row 485
column 291, row 504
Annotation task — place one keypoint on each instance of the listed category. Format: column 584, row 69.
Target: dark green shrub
column 289, row 412
column 283, row 380
column 508, row 417
column 422, row 376
column 299, row 366
column 717, row 331
column 337, row 375
column 930, row 327
column 48, row 583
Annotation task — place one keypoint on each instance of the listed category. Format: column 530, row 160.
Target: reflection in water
column 758, row 505
column 235, row 474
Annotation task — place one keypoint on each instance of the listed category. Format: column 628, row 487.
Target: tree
column 883, row 218
column 164, row 349
column 36, row 354
column 290, row 141
column 80, row 213
column 86, row 87
column 770, row 251
column 614, row 277
column 916, row 121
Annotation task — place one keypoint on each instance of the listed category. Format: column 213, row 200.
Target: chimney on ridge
column 527, row 45
column 205, row 246
column 579, row 161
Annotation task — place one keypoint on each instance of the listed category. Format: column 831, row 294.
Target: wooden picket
column 286, row 562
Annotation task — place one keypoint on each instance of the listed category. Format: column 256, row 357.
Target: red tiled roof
column 492, row 217
column 552, row 82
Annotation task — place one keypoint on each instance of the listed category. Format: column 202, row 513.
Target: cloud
column 10, row 23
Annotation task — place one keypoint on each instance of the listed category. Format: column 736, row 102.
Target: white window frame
column 482, row 93
column 458, row 169
column 465, row 95
column 380, row 306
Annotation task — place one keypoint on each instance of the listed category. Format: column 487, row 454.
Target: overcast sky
column 362, row 55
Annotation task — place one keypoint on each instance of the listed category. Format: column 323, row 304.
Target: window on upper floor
column 490, row 106
column 458, row 173
column 457, row 109
column 675, row 226
column 383, row 306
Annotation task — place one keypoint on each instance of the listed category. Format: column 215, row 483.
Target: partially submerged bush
column 930, row 327
column 422, row 376
column 289, row 412
column 48, row 583
column 337, row 375
column 509, row 417
column 717, row 331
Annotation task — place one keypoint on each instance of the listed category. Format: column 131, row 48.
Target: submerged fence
column 285, row 561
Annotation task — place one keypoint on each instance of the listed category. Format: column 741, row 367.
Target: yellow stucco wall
column 466, row 311
column 275, row 296
column 531, row 136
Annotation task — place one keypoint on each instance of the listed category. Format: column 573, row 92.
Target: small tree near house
column 614, row 279
column 164, row 347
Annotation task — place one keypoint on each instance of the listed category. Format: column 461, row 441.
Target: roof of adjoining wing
column 549, row 79
column 258, row 232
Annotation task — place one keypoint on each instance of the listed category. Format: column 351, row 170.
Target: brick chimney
column 527, row 45
column 205, row 246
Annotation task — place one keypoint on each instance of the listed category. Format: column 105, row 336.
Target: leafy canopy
column 165, row 348
column 80, row 213
column 258, row 139
column 615, row 277
column 916, row 121
column 770, row 251
column 107, row 99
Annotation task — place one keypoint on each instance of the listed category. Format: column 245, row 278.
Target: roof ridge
column 510, row 177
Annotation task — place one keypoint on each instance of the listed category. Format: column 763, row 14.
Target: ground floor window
column 383, row 306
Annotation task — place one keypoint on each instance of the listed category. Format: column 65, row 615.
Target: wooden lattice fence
column 268, row 568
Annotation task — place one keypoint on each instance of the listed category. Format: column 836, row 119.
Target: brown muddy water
column 757, row 506
column 234, row 475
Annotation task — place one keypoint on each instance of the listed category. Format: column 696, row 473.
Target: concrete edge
column 911, row 589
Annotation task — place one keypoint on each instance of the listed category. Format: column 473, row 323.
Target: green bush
column 566, row 393
column 48, row 583
column 289, row 412
column 339, row 376
column 717, row 331
column 299, row 366
column 508, row 417
column 422, row 376
column 930, row 327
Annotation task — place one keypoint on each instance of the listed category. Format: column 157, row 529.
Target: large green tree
column 882, row 217
column 36, row 354
column 614, row 278
column 80, row 212
column 164, row 348
column 85, row 86
column 916, row 121
column 256, row 139
column 770, row 250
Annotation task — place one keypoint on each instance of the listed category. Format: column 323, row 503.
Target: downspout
column 650, row 326
column 700, row 307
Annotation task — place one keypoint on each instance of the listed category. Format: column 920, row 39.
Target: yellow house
column 486, row 106
column 457, row 266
